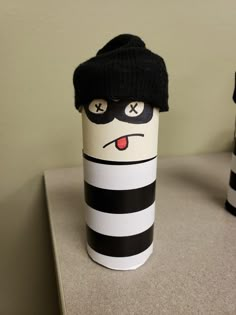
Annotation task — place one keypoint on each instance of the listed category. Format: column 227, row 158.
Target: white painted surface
column 121, row 263
column 233, row 163
column 231, row 197
column 120, row 177
column 124, row 224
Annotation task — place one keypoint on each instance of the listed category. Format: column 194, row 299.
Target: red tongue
column 122, row 143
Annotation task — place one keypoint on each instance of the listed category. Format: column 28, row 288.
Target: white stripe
column 121, row 263
column 231, row 196
column 120, row 177
column 233, row 163
column 124, row 224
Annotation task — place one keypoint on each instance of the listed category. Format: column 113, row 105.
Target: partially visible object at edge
column 230, row 203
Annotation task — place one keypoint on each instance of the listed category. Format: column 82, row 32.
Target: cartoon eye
column 134, row 109
column 98, row 106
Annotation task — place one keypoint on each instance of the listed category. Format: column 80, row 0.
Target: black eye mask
column 133, row 112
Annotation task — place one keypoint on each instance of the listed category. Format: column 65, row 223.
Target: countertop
column 193, row 267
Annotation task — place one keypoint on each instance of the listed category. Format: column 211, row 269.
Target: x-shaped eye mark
column 98, row 107
column 133, row 108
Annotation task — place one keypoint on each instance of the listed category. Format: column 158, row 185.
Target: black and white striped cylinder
column 119, row 189
column 120, row 212
column 230, row 203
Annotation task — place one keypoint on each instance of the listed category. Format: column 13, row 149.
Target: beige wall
column 41, row 44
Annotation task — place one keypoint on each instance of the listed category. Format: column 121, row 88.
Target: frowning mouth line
column 125, row 136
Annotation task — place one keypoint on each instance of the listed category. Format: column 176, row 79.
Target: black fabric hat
column 123, row 69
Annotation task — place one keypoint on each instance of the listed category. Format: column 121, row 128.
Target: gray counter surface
column 193, row 267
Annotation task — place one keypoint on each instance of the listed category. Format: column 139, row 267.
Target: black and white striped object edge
column 230, row 203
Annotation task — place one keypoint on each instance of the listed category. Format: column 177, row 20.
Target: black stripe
column 232, row 181
column 93, row 159
column 119, row 246
column 234, row 145
column 230, row 208
column 119, row 201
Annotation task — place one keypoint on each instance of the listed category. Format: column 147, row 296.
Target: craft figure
column 120, row 93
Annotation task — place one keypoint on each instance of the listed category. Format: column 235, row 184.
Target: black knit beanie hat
column 123, row 69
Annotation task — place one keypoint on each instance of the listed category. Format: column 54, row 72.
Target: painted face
column 102, row 112
column 120, row 130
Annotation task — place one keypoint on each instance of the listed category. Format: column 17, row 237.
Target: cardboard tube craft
column 120, row 93
column 230, row 203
